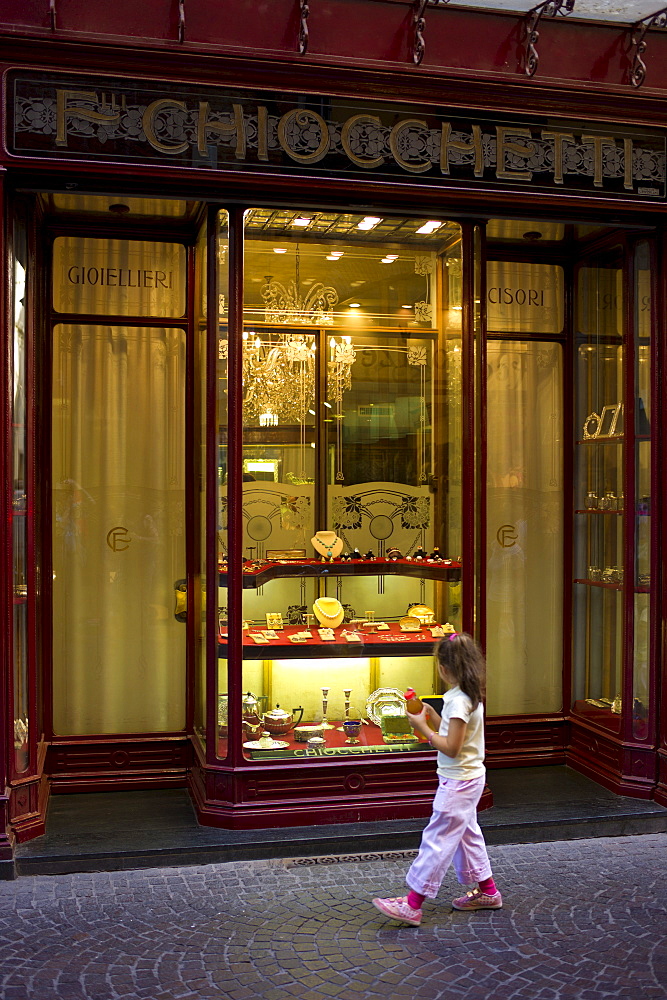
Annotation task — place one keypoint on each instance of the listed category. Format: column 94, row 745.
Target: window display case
column 614, row 474
column 351, row 538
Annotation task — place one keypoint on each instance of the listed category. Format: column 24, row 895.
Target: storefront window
column 599, row 491
column 351, row 394
column 118, row 493
column 524, row 546
column 642, row 485
column 221, row 466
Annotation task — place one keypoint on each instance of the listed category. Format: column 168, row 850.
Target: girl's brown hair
column 459, row 657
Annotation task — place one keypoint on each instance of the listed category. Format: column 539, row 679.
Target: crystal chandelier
column 286, row 304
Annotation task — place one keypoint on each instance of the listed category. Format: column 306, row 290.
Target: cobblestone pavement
column 582, row 919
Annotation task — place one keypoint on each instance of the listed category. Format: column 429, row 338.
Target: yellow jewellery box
column 410, row 624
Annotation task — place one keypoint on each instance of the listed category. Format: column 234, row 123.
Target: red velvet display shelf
column 264, row 570
column 612, row 586
column 395, row 643
column 370, row 738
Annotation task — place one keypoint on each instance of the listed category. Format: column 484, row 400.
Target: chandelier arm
column 638, row 37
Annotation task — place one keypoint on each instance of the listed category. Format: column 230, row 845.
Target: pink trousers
column 453, row 836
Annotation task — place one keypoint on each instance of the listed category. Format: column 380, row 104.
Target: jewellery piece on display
column 409, row 624
column 352, row 728
column 266, row 743
column 278, row 722
column 285, row 555
column 317, row 741
column 397, row 729
column 258, row 638
column 385, row 701
column 436, row 555
column 437, row 631
column 419, row 554
column 351, row 637
column 394, row 553
column 425, row 614
column 325, row 705
column 370, row 555
column 591, row 426
column 327, row 544
column 356, row 554
column 346, row 694
column 326, row 634
column 274, row 620
column 300, row 636
column 329, row 611
column 303, row 733
column 617, row 705
column 269, row 634
column 592, row 501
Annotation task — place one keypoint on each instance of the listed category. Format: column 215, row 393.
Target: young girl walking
column 453, row 834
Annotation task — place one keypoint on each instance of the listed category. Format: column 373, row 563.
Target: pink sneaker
column 477, row 900
column 398, row 908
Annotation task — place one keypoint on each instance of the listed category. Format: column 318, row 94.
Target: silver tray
column 385, row 702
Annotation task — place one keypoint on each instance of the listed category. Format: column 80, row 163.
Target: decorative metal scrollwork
column 656, row 20
column 181, row 20
column 549, row 8
column 304, row 11
column 419, row 21
column 52, row 14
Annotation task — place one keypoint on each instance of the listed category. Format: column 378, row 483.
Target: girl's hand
column 420, row 721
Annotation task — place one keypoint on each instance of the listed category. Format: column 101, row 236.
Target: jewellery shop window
column 351, row 477
column 600, row 503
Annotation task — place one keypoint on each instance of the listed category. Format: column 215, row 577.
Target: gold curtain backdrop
column 524, row 527
column 118, row 529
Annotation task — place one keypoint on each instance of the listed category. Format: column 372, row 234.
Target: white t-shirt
column 470, row 761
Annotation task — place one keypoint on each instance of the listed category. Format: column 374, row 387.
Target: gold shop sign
column 118, row 277
column 95, row 119
column 524, row 298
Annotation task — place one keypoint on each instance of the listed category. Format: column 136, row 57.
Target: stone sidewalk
column 582, row 919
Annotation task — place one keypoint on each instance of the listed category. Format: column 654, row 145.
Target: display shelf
column 258, row 572
column 392, row 642
column 371, row 742
column 601, row 583
column 596, row 510
column 609, row 439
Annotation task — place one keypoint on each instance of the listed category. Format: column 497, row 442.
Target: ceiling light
column 429, row 227
column 280, row 249
column 301, row 222
column 337, row 253
column 391, row 256
column 368, row 222
column 387, row 260
column 331, row 256
column 354, row 305
column 406, row 307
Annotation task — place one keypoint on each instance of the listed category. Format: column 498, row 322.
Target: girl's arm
column 450, row 744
